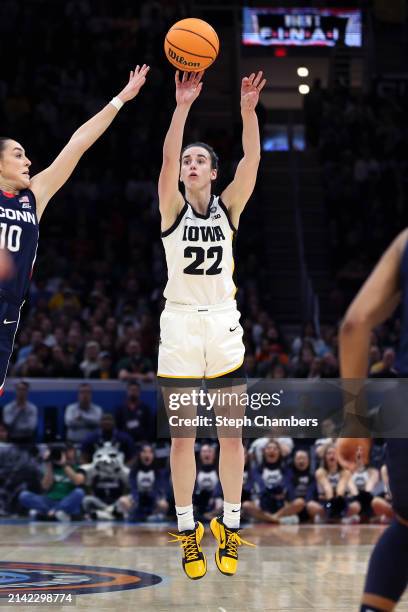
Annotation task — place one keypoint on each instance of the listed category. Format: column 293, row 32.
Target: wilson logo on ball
column 191, row 44
column 182, row 60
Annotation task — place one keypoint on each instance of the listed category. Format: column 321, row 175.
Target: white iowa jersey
column 199, row 255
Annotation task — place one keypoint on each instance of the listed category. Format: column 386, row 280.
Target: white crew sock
column 185, row 517
column 232, row 515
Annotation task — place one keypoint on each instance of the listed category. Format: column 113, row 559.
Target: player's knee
column 231, row 444
column 179, row 445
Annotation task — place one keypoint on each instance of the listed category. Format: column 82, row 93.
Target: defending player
column 23, row 201
column 201, row 336
column 387, row 575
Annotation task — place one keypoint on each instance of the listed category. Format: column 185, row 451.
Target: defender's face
column 195, row 170
column 14, row 166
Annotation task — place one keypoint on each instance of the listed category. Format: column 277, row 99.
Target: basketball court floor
column 132, row 567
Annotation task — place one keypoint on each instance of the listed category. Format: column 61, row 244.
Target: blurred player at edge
column 200, row 332
column 387, row 575
column 23, row 201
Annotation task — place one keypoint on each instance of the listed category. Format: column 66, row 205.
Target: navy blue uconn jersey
column 402, row 357
column 19, row 235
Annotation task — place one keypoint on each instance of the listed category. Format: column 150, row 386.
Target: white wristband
column 117, row 102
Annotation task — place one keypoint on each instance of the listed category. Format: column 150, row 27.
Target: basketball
column 191, row 45
column 349, row 449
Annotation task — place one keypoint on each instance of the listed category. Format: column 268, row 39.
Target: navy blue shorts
column 9, row 320
column 396, row 458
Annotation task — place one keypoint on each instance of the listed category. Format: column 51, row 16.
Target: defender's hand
column 137, row 79
column 251, row 87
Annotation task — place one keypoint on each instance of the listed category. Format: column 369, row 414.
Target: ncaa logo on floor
column 18, row 577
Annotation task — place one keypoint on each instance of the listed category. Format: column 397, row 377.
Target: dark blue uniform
column 397, row 449
column 19, row 235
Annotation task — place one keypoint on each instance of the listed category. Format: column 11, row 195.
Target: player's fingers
column 258, row 78
column 251, row 77
column 176, row 77
column 262, row 85
column 131, row 75
column 199, row 76
column 185, row 77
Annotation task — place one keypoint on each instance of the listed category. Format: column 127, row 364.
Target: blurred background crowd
column 96, row 295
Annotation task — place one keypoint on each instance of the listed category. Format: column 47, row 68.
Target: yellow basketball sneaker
column 194, row 561
column 226, row 556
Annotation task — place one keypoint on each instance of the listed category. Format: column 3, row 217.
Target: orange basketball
column 349, row 449
column 191, row 45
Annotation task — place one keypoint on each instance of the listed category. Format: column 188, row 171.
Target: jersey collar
column 199, row 215
column 7, row 194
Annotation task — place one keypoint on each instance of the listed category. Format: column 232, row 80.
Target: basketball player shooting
column 387, row 575
column 23, row 201
column 201, row 337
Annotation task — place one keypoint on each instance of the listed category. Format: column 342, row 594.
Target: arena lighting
column 302, row 71
column 304, row 89
column 280, row 52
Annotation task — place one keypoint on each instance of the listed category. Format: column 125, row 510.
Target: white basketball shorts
column 200, row 341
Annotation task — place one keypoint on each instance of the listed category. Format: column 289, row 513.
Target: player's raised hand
column 251, row 87
column 137, row 79
column 188, row 88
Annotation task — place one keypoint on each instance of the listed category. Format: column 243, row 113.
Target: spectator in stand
column 61, row 483
column 106, row 370
column 301, row 488
column 273, row 492
column 108, row 433
column 386, row 367
column 21, row 416
column 36, row 340
column 135, row 366
column 19, row 470
column 135, row 416
column 149, row 487
column 301, row 364
column 360, row 492
column 62, row 365
column 332, row 483
column 32, row 367
column 90, row 364
column 82, row 418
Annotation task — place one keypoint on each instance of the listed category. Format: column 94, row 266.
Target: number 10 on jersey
column 10, row 237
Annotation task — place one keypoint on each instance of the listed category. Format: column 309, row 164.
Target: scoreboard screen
column 301, row 27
